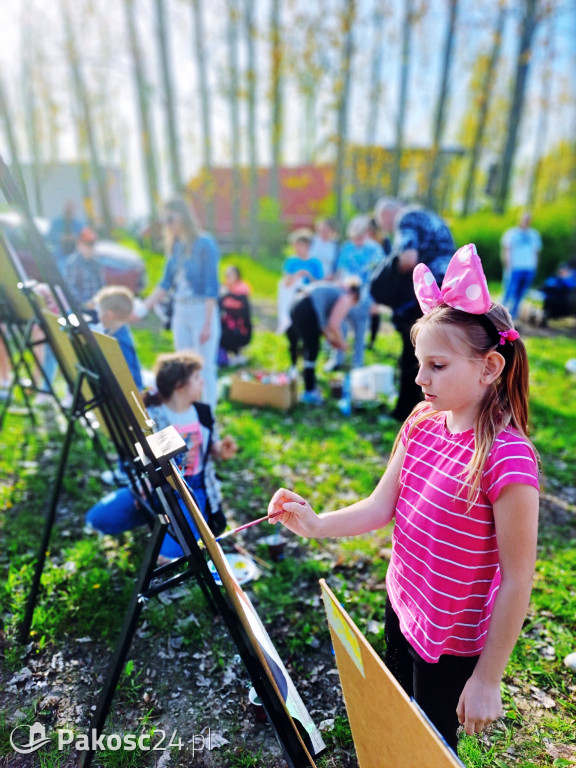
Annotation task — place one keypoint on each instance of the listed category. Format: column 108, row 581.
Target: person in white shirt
column 521, row 247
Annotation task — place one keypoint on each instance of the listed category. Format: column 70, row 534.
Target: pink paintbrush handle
column 247, row 525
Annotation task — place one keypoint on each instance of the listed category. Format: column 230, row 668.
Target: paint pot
column 336, row 389
column 257, row 706
column 275, row 544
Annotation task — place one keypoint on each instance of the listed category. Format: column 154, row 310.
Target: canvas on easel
column 271, row 662
column 389, row 729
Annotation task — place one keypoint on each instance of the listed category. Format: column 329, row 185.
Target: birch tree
column 233, row 93
column 276, row 70
column 250, row 37
column 485, row 91
column 84, row 111
column 406, row 55
column 142, row 99
column 523, row 59
column 342, row 101
column 441, row 105
column 205, row 110
column 174, row 155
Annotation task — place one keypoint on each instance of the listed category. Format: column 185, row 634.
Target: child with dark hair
column 175, row 402
column 235, row 318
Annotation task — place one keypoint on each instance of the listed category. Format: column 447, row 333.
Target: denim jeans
column 519, row 282
column 187, row 323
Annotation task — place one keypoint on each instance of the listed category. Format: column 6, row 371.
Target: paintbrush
column 247, row 525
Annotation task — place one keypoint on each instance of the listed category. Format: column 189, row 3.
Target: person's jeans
column 519, row 283
column 187, row 323
column 358, row 319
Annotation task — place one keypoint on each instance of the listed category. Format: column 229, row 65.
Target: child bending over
column 462, row 485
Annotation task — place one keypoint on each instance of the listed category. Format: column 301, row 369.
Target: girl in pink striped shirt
column 462, row 485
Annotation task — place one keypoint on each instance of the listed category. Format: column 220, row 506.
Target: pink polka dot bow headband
column 464, row 287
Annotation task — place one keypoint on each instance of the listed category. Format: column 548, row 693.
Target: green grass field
column 332, row 460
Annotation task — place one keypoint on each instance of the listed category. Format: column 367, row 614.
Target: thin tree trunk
column 250, row 31
column 529, row 23
column 30, row 112
column 146, row 135
column 276, row 97
column 348, row 18
column 208, row 186
column 375, row 92
column 543, row 121
column 233, row 18
column 169, row 102
column 7, row 120
column 87, row 121
column 407, row 25
column 485, row 96
column 439, row 121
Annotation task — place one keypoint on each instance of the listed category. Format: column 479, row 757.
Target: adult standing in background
column 63, row 234
column 420, row 237
column 324, row 246
column 521, row 247
column 83, row 273
column 191, row 274
column 357, row 258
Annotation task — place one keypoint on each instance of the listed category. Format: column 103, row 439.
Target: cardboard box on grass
column 265, row 391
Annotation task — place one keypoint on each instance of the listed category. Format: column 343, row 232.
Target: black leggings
column 305, row 326
column 436, row 687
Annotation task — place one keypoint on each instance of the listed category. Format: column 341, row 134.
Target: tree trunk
column 30, row 113
column 234, row 93
column 208, row 186
column 375, row 93
column 485, row 97
column 250, row 31
column 407, row 25
column 84, row 107
column 343, row 95
column 7, row 120
column 439, row 121
column 276, row 97
column 146, row 135
column 529, row 23
column 543, row 120
column 169, row 102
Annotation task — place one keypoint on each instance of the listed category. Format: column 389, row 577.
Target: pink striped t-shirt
column 444, row 573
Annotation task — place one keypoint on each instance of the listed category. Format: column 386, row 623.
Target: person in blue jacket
column 191, row 274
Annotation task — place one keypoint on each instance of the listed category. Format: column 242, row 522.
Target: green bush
column 556, row 224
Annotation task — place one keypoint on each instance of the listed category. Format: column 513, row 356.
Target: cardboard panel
column 389, row 729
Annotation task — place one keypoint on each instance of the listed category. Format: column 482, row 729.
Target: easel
column 123, row 419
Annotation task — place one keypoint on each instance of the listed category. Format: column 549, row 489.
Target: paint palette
column 243, row 568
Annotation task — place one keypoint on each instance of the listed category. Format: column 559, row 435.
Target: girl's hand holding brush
column 294, row 512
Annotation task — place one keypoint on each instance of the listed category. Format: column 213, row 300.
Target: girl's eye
column 439, row 366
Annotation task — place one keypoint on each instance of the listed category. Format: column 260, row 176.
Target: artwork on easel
column 19, row 305
column 389, row 729
column 254, row 629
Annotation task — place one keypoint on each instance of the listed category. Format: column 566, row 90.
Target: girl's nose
column 420, row 378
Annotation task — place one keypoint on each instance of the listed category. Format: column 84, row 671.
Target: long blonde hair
column 506, row 400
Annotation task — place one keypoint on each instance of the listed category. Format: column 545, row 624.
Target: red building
column 303, row 194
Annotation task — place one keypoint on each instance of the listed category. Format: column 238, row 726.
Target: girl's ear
column 493, row 366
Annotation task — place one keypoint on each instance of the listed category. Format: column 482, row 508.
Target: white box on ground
column 372, row 380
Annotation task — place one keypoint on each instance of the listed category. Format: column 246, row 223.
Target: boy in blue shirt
column 115, row 305
column 298, row 270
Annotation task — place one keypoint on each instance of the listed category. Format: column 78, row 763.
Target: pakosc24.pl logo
column 28, row 738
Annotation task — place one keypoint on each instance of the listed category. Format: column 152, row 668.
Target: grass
column 332, row 460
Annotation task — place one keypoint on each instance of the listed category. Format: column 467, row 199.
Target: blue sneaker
column 312, row 398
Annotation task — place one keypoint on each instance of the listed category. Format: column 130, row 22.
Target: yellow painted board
column 389, row 730
column 10, row 278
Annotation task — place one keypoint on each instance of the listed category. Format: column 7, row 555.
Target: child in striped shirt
column 462, row 485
